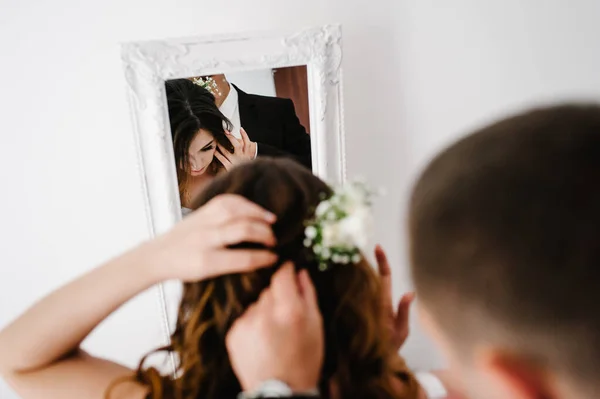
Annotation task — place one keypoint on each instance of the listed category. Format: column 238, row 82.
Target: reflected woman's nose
column 194, row 164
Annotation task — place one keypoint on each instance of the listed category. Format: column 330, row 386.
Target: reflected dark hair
column 505, row 238
column 192, row 108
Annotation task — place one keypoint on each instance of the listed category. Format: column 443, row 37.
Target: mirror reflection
column 219, row 121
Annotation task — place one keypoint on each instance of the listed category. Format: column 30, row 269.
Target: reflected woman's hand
column 196, row 248
column 243, row 150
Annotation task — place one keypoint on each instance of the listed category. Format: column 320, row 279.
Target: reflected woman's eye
column 208, row 147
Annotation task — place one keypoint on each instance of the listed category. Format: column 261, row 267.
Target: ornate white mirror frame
column 148, row 65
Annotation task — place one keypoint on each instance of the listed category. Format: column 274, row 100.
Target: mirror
column 218, row 121
column 289, row 93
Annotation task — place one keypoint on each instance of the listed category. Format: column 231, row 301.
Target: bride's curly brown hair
column 357, row 353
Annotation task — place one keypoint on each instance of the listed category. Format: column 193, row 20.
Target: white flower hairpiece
column 342, row 226
column 207, row 83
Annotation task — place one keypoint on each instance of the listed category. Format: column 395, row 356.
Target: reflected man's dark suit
column 272, row 123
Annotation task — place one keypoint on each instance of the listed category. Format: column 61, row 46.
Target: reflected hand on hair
column 243, row 150
column 397, row 320
column 197, row 247
column 281, row 336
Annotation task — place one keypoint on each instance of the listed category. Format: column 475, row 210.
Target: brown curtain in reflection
column 292, row 83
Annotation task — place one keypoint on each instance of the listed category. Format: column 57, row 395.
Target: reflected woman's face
column 201, row 152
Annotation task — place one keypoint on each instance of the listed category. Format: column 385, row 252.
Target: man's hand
column 398, row 320
column 281, row 336
column 243, row 150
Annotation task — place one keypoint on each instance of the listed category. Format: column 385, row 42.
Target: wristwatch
column 277, row 389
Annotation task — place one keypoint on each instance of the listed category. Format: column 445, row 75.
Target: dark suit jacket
column 272, row 123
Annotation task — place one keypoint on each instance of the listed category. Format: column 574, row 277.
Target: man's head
column 505, row 248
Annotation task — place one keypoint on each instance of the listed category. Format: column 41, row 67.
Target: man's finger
column 224, row 160
column 226, row 208
column 248, row 316
column 308, row 292
column 284, row 284
column 234, row 141
column 265, row 299
column 224, row 151
column 241, row 260
column 245, row 138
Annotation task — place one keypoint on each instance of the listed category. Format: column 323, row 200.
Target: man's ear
column 512, row 376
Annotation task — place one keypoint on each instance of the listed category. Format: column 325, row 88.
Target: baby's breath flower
column 322, row 208
column 208, row 83
column 310, row 232
column 341, row 226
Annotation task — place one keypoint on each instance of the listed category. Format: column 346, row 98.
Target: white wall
column 259, row 82
column 417, row 74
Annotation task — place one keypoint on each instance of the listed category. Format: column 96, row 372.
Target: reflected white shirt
column 231, row 109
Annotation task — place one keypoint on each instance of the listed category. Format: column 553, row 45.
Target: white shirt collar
column 230, row 108
column 230, row 103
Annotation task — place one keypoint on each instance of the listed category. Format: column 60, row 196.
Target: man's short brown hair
column 505, row 237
